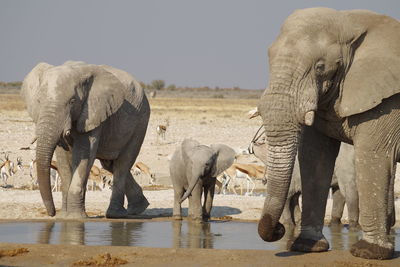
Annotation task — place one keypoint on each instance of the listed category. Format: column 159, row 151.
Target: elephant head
column 323, row 63
column 68, row 100
column 203, row 161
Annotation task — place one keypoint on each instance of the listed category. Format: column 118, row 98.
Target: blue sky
column 184, row 42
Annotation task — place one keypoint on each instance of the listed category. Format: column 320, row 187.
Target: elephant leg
column 391, row 208
column 137, row 202
column 317, row 155
column 195, row 207
column 64, row 163
column 286, row 218
column 351, row 196
column 373, row 172
column 125, row 184
column 338, row 202
column 177, row 210
column 295, row 208
column 209, row 190
column 83, row 156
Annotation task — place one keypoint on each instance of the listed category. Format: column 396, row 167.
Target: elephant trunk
column 192, row 184
column 282, row 119
column 48, row 133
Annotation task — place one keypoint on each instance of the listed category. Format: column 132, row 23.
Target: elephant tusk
column 309, row 118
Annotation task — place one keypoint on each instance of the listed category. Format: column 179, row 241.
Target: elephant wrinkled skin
column 343, row 177
column 83, row 112
column 194, row 168
column 334, row 77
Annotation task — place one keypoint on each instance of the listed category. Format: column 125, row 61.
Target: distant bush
column 157, row 84
column 10, row 84
column 171, row 87
column 219, row 96
column 143, row 85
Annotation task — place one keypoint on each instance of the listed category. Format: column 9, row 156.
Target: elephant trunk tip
column 51, row 210
column 266, row 230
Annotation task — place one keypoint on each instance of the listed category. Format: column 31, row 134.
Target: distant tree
column 171, row 87
column 143, row 85
column 158, row 84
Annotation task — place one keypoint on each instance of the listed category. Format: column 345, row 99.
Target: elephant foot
column 354, row 226
column 116, row 213
column 366, row 250
column 196, row 219
column 269, row 233
column 138, row 207
column 206, row 217
column 72, row 215
column 177, row 217
column 335, row 221
column 308, row 245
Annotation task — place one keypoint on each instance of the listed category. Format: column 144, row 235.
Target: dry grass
column 198, row 105
column 13, row 252
column 12, row 102
column 15, row 102
column 101, row 260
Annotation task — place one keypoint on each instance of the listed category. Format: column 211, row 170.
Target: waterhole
column 166, row 234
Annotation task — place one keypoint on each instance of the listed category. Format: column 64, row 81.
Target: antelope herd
column 240, row 178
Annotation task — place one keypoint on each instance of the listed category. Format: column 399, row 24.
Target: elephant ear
column 225, row 157
column 374, row 73
column 187, row 149
column 32, row 89
column 106, row 94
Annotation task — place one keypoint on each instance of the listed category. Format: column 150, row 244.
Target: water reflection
column 165, row 234
column 70, row 233
column 198, row 235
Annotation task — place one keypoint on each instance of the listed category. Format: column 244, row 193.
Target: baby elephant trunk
column 192, row 184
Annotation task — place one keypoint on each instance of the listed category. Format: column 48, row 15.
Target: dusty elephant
column 334, row 77
column 194, row 168
column 343, row 177
column 84, row 112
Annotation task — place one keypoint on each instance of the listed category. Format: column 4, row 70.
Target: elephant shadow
column 217, row 211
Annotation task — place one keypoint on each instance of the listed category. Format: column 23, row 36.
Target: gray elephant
column 334, row 77
column 84, row 112
column 343, row 186
column 194, row 168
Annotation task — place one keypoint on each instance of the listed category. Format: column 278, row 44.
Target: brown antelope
column 54, row 176
column 99, row 178
column 161, row 130
column 8, row 169
column 142, row 169
column 241, row 171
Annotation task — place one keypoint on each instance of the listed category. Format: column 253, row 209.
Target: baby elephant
column 194, row 168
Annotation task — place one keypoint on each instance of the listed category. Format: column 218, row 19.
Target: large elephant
column 343, row 185
column 334, row 77
column 84, row 112
column 194, row 168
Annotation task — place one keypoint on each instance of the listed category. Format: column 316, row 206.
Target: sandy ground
column 206, row 120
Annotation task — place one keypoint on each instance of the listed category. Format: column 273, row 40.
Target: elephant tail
column 189, row 190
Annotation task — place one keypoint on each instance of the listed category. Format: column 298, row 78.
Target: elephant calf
column 194, row 168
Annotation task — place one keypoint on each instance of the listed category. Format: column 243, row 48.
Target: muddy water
column 167, row 234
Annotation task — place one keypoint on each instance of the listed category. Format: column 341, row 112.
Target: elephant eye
column 72, row 100
column 319, row 68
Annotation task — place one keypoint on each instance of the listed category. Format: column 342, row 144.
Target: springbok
column 161, row 129
column 99, row 178
column 54, row 176
column 241, row 171
column 142, row 169
column 8, row 169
